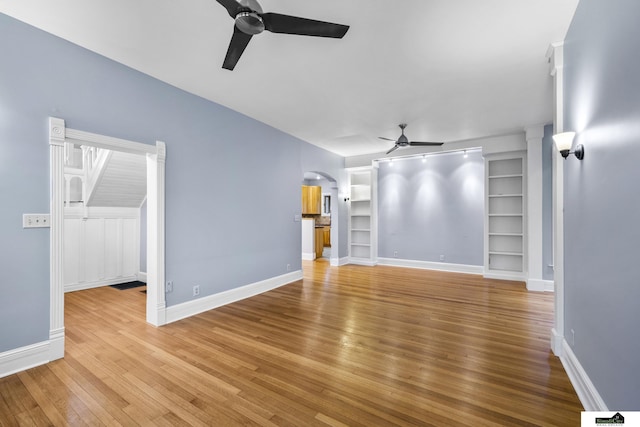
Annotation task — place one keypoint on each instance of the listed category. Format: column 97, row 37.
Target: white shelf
column 505, row 212
column 360, row 215
column 507, row 253
column 515, row 175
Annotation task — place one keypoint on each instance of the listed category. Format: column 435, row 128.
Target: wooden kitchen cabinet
column 327, row 237
column 319, row 241
column 311, row 199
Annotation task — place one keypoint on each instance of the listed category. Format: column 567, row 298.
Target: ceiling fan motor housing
column 249, row 22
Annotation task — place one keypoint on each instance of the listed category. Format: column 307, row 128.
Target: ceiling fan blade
column 285, row 24
column 232, row 6
column 386, row 139
column 239, row 42
column 418, row 143
column 395, row 147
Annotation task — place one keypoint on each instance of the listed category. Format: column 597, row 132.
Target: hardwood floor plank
column 37, row 387
column 356, row 346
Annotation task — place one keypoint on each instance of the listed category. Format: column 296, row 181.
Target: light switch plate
column 36, row 220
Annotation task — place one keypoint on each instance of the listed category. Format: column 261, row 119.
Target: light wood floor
column 358, row 346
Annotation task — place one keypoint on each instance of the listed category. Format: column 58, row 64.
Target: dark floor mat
column 129, row 285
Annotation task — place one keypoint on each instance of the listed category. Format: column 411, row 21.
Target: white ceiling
column 451, row 69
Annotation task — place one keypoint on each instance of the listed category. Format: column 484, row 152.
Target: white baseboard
column 428, row 265
column 308, row 256
column 556, row 342
column 586, row 391
column 23, row 358
column 539, row 285
column 337, row 262
column 98, row 283
column 142, row 276
column 191, row 308
column 506, row 275
column 361, row 261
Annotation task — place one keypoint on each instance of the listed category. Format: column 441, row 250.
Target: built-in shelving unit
column 361, row 236
column 505, row 207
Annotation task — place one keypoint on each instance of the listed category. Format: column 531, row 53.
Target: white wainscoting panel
column 101, row 247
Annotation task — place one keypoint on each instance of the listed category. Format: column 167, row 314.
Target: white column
column 534, row 137
column 56, row 313
column 156, row 303
column 556, row 63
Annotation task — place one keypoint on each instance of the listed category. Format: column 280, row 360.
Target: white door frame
column 156, row 155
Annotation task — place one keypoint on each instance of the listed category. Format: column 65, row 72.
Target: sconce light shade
column 564, row 141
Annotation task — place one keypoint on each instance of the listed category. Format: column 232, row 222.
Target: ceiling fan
column 251, row 20
column 403, row 141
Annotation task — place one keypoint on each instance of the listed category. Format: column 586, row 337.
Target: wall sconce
column 564, row 141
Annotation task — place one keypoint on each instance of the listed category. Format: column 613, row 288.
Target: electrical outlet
column 441, row 257
column 196, row 290
column 169, row 287
column 288, row 267
column 395, row 254
column 36, row 220
column 573, row 337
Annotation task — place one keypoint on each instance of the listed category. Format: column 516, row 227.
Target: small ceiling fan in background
column 250, row 20
column 403, row 141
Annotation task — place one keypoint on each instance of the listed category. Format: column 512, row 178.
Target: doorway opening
column 320, row 217
column 59, row 136
column 104, row 218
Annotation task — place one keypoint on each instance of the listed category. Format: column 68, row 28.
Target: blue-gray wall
column 232, row 183
column 430, row 209
column 602, row 201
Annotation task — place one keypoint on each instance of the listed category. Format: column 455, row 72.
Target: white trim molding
column 429, row 265
column 156, row 302
column 539, row 285
column 81, row 286
column 555, row 55
column 308, row 256
column 586, row 391
column 556, row 342
column 534, row 135
column 27, row 357
column 200, row 305
column 59, row 134
column 337, row 262
column 361, row 261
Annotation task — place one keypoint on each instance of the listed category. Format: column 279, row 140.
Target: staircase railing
column 86, row 164
column 95, row 160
